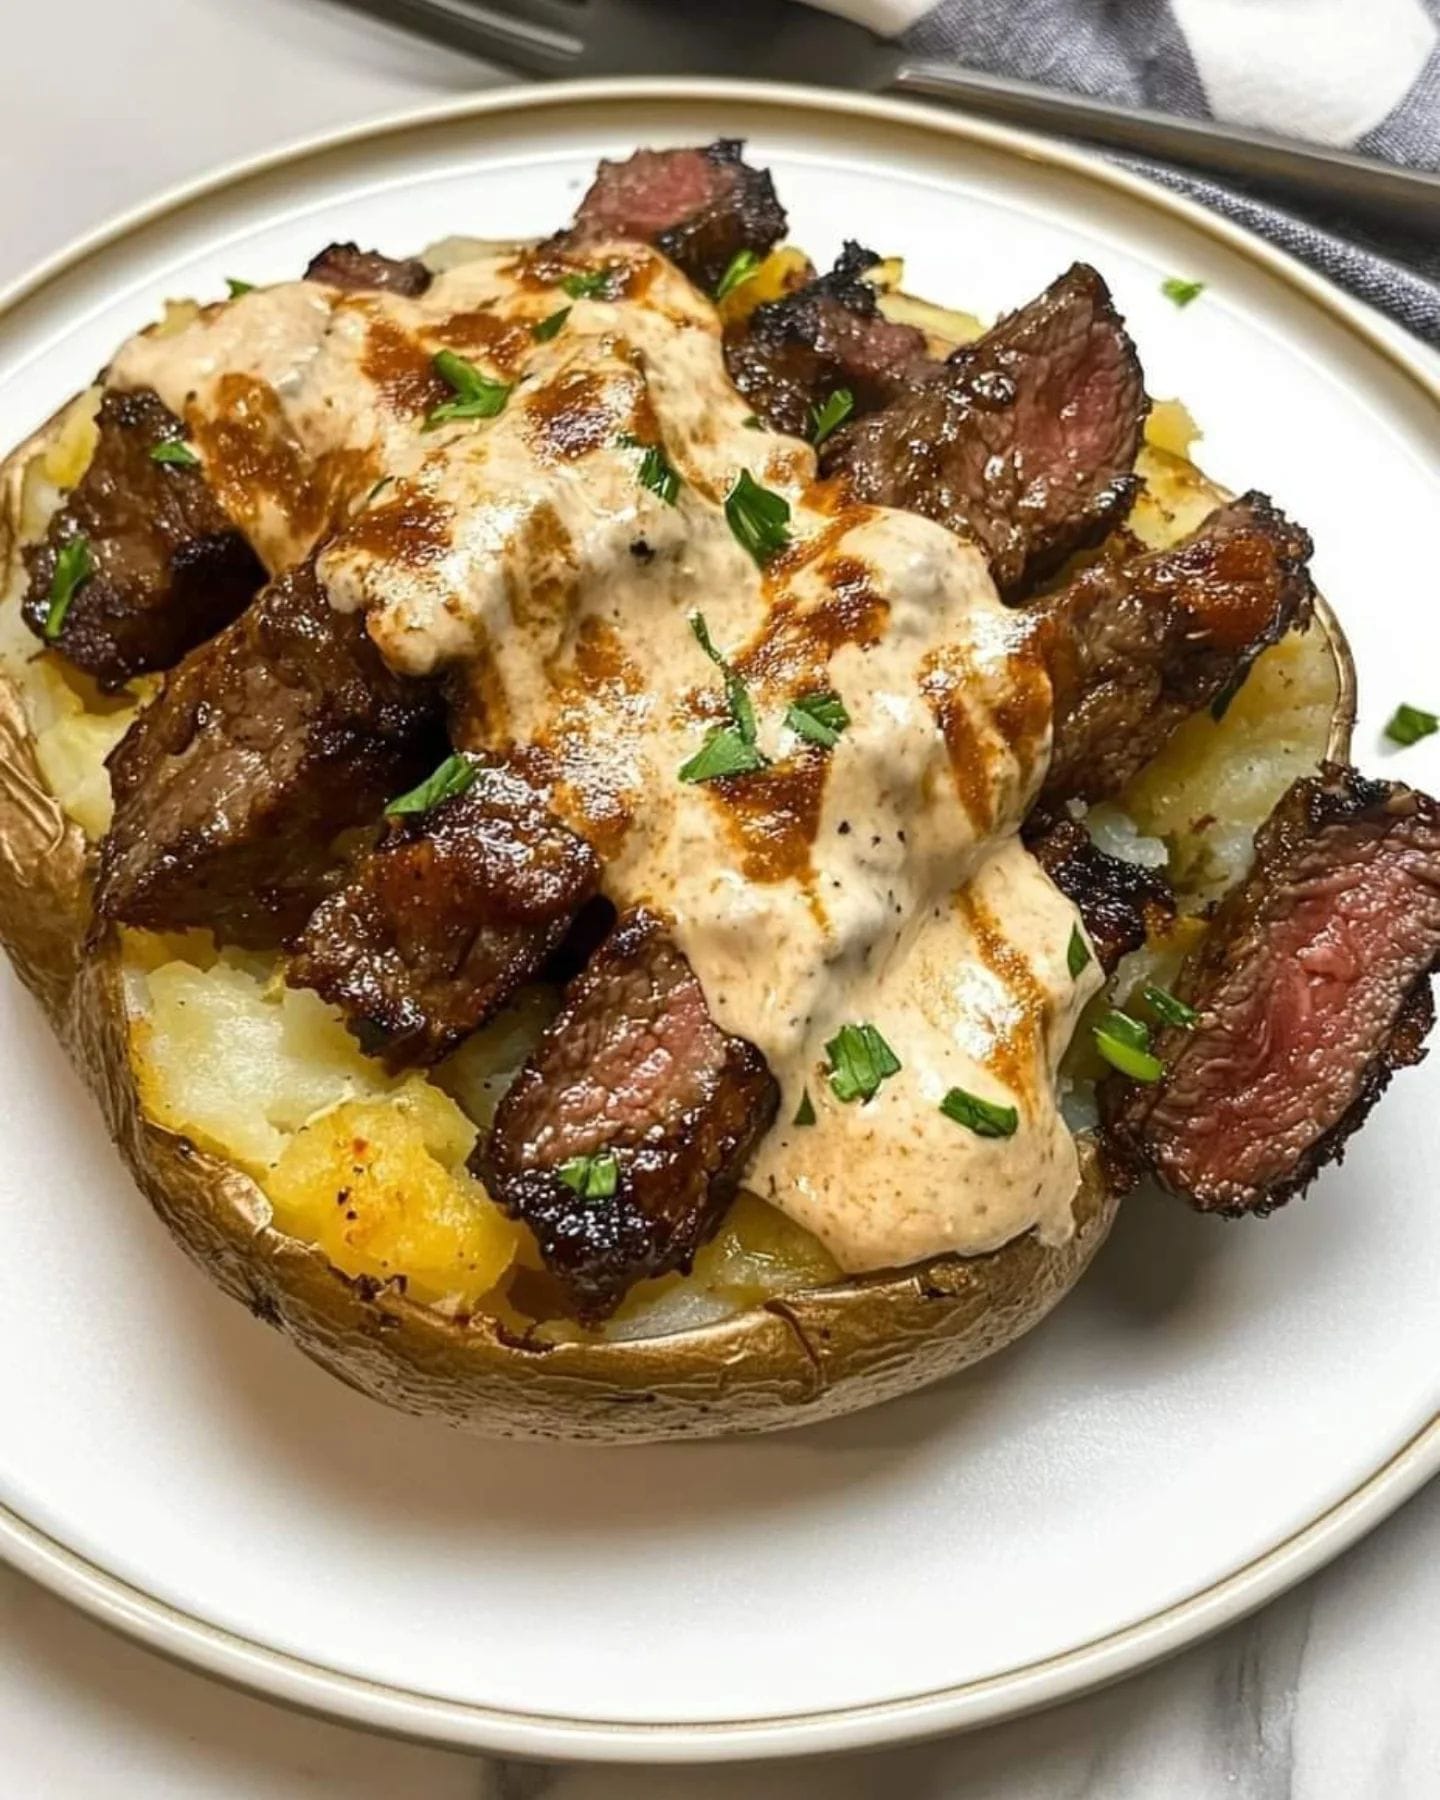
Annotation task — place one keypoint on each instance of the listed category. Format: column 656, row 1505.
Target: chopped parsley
column 1125, row 1044
column 829, row 417
column 752, row 422
column 818, row 718
column 476, row 396
column 73, row 568
column 730, row 749
column 1077, row 954
column 759, row 518
column 656, row 470
column 589, row 284
column 741, row 267
column 983, row 1117
column 237, row 288
column 860, row 1060
column 454, row 776
column 1172, row 1010
column 805, row 1111
column 1408, row 724
column 549, row 328
column 1181, row 292
column 172, row 451
column 593, row 1177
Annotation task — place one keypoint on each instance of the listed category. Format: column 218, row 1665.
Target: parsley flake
column 476, row 396
column 759, row 518
column 829, row 417
column 593, row 1177
column 549, row 328
column 589, row 284
column 818, row 718
column 805, row 1111
column 1125, row 1044
column 741, row 267
column 725, row 752
column 454, row 776
column 1181, row 292
column 179, row 455
column 1077, row 954
column 860, row 1060
column 983, row 1117
column 1408, row 724
column 237, row 288
column 73, row 568
column 1169, row 1007
column 656, row 470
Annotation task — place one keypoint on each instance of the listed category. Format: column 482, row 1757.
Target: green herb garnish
column 983, row 1117
column 829, row 417
column 1181, row 292
column 1125, row 1044
column 860, row 1060
column 593, row 1177
column 656, row 471
column 73, row 568
column 1077, row 954
column 476, row 396
column 1408, row 724
column 1172, row 1010
column 737, row 695
column 174, row 452
column 549, row 328
column 237, row 288
column 741, row 267
column 818, row 718
column 752, row 422
column 725, row 752
column 588, row 285
column 454, row 776
column 759, row 518
column 805, row 1111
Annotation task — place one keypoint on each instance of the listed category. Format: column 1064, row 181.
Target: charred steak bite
column 367, row 271
column 699, row 207
column 791, row 355
column 1311, row 988
column 623, row 1138
column 1118, row 901
column 1136, row 644
column 438, row 925
column 263, row 744
column 1024, row 441
column 168, row 569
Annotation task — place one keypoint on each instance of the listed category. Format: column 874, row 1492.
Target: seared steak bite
column 439, row 924
column 168, row 568
column 1136, row 644
column 262, row 745
column 624, row 1136
column 367, row 271
column 1311, row 989
column 1024, row 441
column 791, row 355
column 1117, row 900
column 698, row 207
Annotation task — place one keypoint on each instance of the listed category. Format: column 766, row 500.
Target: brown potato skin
column 811, row 1356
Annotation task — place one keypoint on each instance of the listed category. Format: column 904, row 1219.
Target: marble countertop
column 1327, row 1695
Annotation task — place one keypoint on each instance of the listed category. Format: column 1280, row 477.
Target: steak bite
column 792, row 354
column 360, row 271
column 1311, row 990
column 625, row 1135
column 699, row 207
column 168, row 568
column 263, row 744
column 437, row 926
column 1135, row 645
column 1118, row 901
column 1024, row 441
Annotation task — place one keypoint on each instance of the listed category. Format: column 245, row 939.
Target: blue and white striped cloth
column 1363, row 74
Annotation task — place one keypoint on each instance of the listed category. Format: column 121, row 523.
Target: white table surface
column 1328, row 1695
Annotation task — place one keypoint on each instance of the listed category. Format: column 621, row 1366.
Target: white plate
column 1215, row 1411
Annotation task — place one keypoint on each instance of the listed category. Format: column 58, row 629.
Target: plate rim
column 313, row 1687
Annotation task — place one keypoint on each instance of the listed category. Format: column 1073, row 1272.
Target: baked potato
column 336, row 1193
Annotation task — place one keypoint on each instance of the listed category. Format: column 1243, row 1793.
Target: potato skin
column 811, row 1356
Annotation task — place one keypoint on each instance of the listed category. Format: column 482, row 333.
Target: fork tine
column 529, row 44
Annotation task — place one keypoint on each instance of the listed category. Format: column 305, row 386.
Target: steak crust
column 367, row 271
column 1120, row 902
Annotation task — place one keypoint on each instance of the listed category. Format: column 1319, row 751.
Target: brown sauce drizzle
column 774, row 815
column 571, row 416
column 253, row 458
column 412, row 530
column 944, row 679
column 402, row 368
column 504, row 343
column 1017, row 1036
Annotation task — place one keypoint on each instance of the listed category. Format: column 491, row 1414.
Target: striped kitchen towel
column 1363, row 74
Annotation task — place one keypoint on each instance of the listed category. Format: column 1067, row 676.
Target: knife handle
column 1336, row 180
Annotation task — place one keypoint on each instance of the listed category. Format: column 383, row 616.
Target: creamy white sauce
column 882, row 881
